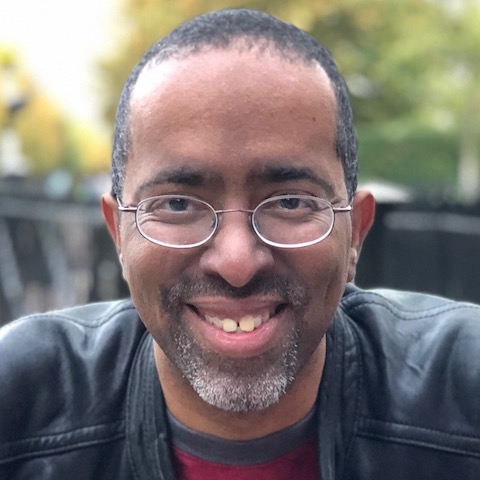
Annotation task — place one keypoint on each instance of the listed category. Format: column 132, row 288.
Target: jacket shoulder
column 404, row 305
column 64, row 375
column 417, row 360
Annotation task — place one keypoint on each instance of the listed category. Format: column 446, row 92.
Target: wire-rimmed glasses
column 284, row 221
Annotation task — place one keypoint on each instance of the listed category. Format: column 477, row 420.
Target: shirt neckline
column 241, row 452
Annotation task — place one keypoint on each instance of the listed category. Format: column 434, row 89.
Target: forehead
column 261, row 71
column 227, row 111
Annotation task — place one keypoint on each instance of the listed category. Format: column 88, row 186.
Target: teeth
column 259, row 320
column 248, row 323
column 217, row 322
column 229, row 325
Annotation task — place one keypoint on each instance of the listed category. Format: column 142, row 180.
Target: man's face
column 233, row 129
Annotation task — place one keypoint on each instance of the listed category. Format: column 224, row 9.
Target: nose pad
column 236, row 253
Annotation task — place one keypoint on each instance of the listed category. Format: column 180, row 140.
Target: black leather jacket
column 399, row 398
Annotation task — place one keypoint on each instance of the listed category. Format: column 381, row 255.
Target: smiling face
column 241, row 321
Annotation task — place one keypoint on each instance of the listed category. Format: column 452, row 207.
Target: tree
column 49, row 140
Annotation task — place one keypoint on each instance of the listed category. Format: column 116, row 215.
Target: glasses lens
column 293, row 219
column 176, row 220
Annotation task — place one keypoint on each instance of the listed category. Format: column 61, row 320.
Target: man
column 245, row 352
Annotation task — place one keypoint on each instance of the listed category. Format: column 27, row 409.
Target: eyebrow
column 188, row 176
column 285, row 173
column 196, row 177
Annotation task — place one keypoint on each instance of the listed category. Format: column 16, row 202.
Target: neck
column 185, row 405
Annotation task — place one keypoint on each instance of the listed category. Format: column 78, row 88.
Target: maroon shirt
column 299, row 464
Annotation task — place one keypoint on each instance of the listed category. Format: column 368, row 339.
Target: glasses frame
column 251, row 213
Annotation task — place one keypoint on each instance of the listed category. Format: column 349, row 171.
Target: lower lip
column 239, row 345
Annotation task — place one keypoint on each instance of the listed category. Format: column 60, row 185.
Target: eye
column 177, row 204
column 174, row 210
column 292, row 202
column 292, row 208
column 289, row 203
column 168, row 205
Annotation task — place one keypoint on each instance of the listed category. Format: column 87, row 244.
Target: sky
column 59, row 43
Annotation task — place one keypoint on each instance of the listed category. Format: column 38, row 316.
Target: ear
column 363, row 214
column 112, row 220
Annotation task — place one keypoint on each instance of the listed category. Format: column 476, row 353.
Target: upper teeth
column 248, row 323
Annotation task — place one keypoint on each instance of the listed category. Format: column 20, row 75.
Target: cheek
column 325, row 264
column 324, row 270
column 147, row 267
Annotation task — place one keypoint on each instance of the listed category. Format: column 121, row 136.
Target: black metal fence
column 424, row 247
column 57, row 254
column 53, row 255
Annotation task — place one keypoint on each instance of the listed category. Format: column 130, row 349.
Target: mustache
column 289, row 290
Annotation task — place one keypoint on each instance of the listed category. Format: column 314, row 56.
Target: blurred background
column 412, row 68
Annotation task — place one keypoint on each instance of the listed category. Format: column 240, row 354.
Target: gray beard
column 231, row 384
column 236, row 385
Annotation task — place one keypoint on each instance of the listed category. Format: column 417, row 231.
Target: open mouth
column 244, row 324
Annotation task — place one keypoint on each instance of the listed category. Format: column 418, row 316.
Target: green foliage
column 410, row 154
column 48, row 139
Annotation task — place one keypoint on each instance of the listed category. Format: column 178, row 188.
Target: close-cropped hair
column 257, row 31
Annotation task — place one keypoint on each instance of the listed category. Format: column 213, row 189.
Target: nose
column 235, row 253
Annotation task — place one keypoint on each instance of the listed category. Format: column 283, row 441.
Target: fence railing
column 53, row 255
column 422, row 247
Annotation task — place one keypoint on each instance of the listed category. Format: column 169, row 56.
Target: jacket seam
column 402, row 438
column 129, row 406
column 419, row 443
column 122, row 306
column 407, row 316
column 38, row 451
column 451, row 433
column 355, row 426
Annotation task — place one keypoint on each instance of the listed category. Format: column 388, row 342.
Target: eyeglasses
column 284, row 221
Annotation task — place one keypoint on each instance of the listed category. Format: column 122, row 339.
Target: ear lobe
column 112, row 220
column 363, row 214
